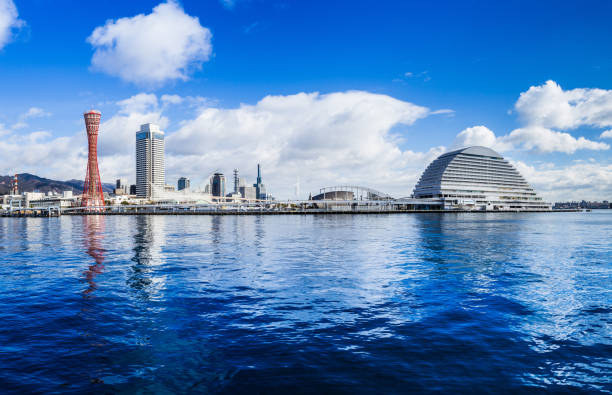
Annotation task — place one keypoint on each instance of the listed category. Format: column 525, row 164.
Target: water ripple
column 277, row 304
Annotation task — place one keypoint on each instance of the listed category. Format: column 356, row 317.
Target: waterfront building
column 248, row 192
column 477, row 178
column 183, row 183
column 218, row 185
column 121, row 187
column 260, row 188
column 150, row 166
column 133, row 189
column 236, row 182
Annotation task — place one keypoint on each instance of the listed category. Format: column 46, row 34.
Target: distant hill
column 30, row 183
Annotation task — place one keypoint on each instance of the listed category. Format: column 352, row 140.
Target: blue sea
column 428, row 303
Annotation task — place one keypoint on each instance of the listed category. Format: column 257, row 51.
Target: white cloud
column 607, row 134
column 19, row 125
column 35, row 112
column 479, row 135
column 151, row 49
column 546, row 140
column 39, row 153
column 117, row 134
column 577, row 181
column 337, row 138
column 529, row 138
column 9, row 21
column 549, row 106
column 324, row 139
column 543, row 108
column 139, row 103
column 171, row 99
column 65, row 158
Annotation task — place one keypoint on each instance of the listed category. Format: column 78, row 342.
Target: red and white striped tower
column 15, row 190
column 92, row 191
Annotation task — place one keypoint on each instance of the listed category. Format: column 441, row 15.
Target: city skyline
column 373, row 113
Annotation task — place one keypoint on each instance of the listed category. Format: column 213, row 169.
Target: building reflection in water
column 148, row 242
column 94, row 235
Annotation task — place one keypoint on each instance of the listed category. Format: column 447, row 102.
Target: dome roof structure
column 477, row 177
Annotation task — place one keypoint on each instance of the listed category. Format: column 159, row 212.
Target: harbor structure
column 183, row 183
column 150, row 164
column 92, row 189
column 477, row 178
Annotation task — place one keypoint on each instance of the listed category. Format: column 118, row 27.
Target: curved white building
column 477, row 178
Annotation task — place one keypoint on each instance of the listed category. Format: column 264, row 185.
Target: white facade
column 150, row 165
column 477, row 178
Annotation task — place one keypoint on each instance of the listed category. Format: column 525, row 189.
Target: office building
column 247, row 192
column 121, row 187
column 183, row 183
column 260, row 188
column 477, row 178
column 150, row 166
column 218, row 185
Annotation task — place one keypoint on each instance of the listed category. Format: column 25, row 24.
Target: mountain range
column 32, row 183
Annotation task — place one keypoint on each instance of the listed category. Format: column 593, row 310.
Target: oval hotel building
column 477, row 178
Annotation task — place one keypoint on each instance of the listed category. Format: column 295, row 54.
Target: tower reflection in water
column 94, row 235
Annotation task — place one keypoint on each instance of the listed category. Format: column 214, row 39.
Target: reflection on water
column 93, row 236
column 149, row 239
column 365, row 303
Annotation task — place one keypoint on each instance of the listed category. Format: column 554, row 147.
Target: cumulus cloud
column 9, row 21
column 587, row 180
column 151, row 49
column 529, row 138
column 171, row 99
column 40, row 153
column 326, row 139
column 546, row 140
column 545, row 108
column 322, row 139
column 607, row 134
column 479, row 135
column 549, row 106
column 117, row 133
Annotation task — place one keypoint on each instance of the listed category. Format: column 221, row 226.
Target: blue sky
column 471, row 58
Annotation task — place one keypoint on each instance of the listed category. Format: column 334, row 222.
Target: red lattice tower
column 92, row 191
column 15, row 185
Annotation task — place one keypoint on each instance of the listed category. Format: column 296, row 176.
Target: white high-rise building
column 477, row 178
column 150, row 166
